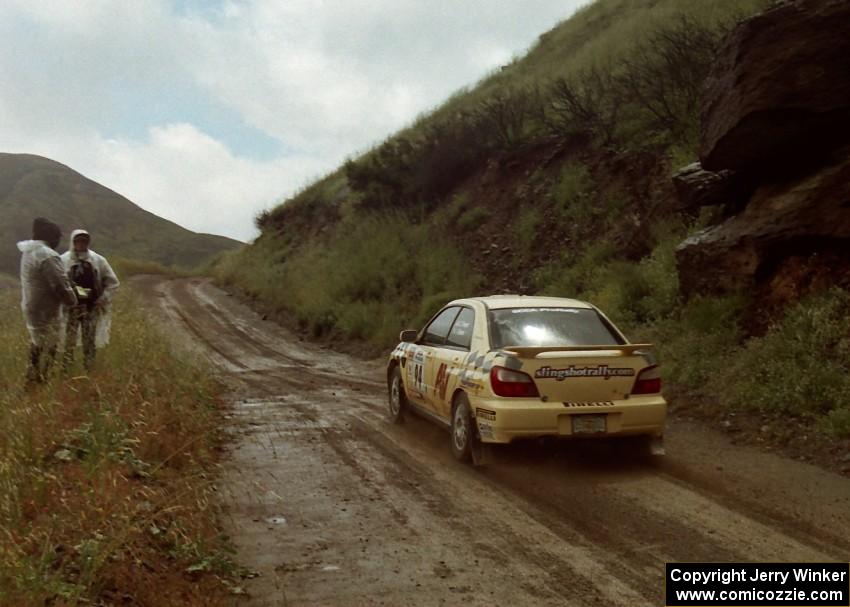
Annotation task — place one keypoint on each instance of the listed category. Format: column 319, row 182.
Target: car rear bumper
column 504, row 420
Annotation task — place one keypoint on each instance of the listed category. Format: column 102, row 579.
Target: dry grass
column 106, row 481
column 132, row 267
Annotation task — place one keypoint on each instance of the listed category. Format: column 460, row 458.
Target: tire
column 464, row 432
column 397, row 398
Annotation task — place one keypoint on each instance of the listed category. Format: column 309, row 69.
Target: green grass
column 527, row 225
column 801, row 366
column 575, row 200
column 472, row 218
column 124, row 268
column 368, row 281
column 105, row 479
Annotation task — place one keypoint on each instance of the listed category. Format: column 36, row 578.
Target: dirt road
column 333, row 505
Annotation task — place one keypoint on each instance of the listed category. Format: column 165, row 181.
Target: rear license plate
column 589, row 424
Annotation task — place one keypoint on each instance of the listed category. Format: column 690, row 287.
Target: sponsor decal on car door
column 434, row 340
column 449, row 357
column 415, row 371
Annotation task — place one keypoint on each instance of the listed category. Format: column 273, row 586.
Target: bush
column 527, row 225
column 382, row 177
column 472, row 218
column 509, row 115
column 573, row 196
column 837, row 422
column 450, row 151
column 455, row 208
column 585, row 103
column 696, row 344
column 801, row 366
column 662, row 75
column 371, row 284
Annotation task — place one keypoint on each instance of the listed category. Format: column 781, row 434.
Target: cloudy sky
column 205, row 112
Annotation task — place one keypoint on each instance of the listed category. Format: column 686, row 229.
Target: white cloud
column 189, row 177
column 134, row 93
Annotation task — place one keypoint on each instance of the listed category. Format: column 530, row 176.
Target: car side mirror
column 409, row 336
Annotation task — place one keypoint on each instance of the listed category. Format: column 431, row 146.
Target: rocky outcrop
column 696, row 187
column 775, row 115
column 781, row 220
column 779, row 92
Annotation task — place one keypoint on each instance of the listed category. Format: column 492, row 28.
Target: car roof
column 496, row 302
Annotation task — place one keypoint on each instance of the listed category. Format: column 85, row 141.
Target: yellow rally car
column 495, row 369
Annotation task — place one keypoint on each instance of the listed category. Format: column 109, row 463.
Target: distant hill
column 33, row 186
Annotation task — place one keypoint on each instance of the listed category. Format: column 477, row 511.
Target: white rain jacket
column 106, row 281
column 44, row 288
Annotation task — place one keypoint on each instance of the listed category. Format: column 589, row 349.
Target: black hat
column 46, row 230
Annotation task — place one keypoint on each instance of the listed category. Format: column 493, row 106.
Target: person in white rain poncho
column 44, row 288
column 95, row 284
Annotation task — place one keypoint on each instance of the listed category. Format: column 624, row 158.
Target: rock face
column 696, row 187
column 779, row 91
column 781, row 220
column 775, row 113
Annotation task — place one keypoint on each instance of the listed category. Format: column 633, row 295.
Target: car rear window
column 550, row 327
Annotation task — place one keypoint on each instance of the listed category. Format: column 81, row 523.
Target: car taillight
column 648, row 381
column 506, row 382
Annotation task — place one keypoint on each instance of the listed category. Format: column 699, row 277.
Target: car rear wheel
column 464, row 433
column 398, row 400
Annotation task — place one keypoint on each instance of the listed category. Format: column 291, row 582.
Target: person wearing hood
column 95, row 284
column 44, row 289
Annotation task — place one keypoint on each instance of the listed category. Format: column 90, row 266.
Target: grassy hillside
column 553, row 176
column 32, row 186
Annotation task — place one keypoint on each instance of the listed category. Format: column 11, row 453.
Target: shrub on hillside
column 662, row 75
column 527, row 224
column 801, row 366
column 572, row 196
column 587, row 103
column 509, row 115
column 382, row 274
column 472, row 218
column 655, row 86
column 696, row 344
column 451, row 150
column 382, row 177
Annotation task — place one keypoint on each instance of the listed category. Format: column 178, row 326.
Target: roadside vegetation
column 107, row 480
column 377, row 272
column 552, row 175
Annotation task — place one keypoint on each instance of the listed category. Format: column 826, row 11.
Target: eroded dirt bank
column 332, row 505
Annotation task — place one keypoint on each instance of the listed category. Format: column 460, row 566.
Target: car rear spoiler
column 532, row 352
